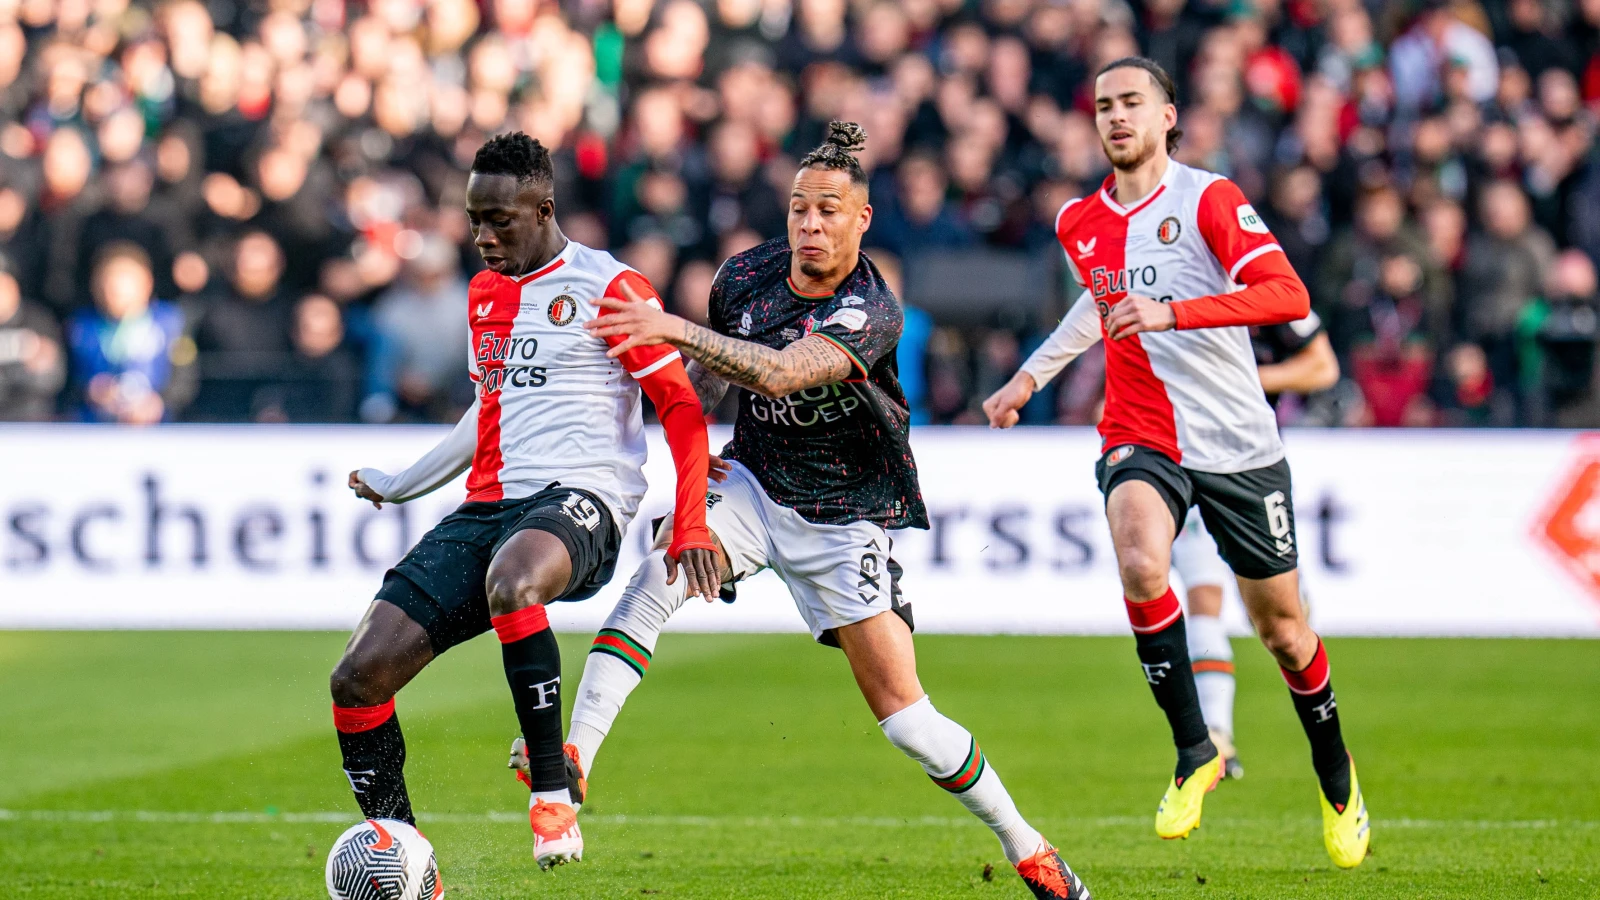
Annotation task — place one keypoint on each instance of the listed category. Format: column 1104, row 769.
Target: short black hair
column 838, row 151
column 514, row 154
column 1169, row 88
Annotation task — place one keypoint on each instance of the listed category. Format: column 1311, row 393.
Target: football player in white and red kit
column 1177, row 265
column 555, row 443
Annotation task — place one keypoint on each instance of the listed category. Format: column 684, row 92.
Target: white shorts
column 1195, row 557
column 837, row 574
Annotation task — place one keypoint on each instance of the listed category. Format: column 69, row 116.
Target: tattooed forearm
column 772, row 373
column 708, row 386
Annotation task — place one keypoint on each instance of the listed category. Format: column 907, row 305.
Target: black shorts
column 440, row 583
column 1249, row 514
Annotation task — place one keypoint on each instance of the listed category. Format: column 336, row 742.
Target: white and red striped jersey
column 1195, row 242
column 551, row 405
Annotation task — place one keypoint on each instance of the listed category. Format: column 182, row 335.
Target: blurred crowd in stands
column 216, row 210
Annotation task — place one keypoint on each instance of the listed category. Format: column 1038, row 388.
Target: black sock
column 1312, row 690
column 375, row 760
column 533, row 670
column 1163, row 649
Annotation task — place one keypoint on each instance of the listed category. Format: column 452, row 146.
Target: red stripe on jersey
column 493, row 307
column 1106, row 194
column 1137, row 410
column 639, row 361
column 559, row 262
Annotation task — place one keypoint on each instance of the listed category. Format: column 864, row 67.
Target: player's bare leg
column 1279, row 617
column 623, row 649
column 531, row 569
column 384, row 653
column 884, row 661
column 1211, row 657
column 1142, row 530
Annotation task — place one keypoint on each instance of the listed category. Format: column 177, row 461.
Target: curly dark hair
column 1163, row 81
column 838, row 151
column 514, row 154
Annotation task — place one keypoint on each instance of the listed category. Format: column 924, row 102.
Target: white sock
column 1212, row 657
column 560, row 796
column 621, row 654
column 948, row 753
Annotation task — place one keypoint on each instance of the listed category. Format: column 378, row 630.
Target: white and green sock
column 951, row 757
column 1211, row 656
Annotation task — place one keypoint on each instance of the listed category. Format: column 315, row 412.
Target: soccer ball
column 383, row 859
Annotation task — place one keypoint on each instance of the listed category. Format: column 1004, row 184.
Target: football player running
column 1177, row 266
column 819, row 472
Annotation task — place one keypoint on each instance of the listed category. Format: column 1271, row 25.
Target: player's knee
column 1282, row 635
column 510, row 588
column 353, row 684
column 509, row 593
column 1144, row 576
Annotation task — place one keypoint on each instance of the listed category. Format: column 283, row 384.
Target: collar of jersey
column 789, row 280
column 1110, row 184
column 551, row 266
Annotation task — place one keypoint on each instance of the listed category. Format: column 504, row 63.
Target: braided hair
column 838, row 151
column 514, row 154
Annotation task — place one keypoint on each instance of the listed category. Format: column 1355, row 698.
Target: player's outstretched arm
column 436, row 468
column 808, row 362
column 1077, row 332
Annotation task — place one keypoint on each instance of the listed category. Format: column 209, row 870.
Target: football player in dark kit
column 818, row 473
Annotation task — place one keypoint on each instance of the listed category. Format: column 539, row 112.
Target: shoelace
column 551, row 819
column 1046, row 870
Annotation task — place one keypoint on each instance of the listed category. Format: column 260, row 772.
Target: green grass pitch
column 142, row 765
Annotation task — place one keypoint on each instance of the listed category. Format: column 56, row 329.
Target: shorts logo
column 870, row 574
column 563, row 309
column 745, row 324
column 1278, row 522
column 581, row 510
column 1119, row 454
column 1169, row 229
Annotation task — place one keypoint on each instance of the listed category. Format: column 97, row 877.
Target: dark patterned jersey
column 1276, row 343
column 836, row 453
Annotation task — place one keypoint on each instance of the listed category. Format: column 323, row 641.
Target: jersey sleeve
column 1293, row 337
column 640, row 361
column 660, row 372
column 1272, row 294
column 438, row 467
column 1232, row 228
column 679, row 410
column 865, row 328
column 1078, row 331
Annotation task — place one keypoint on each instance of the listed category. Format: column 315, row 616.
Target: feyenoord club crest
column 563, row 309
column 1168, row 230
